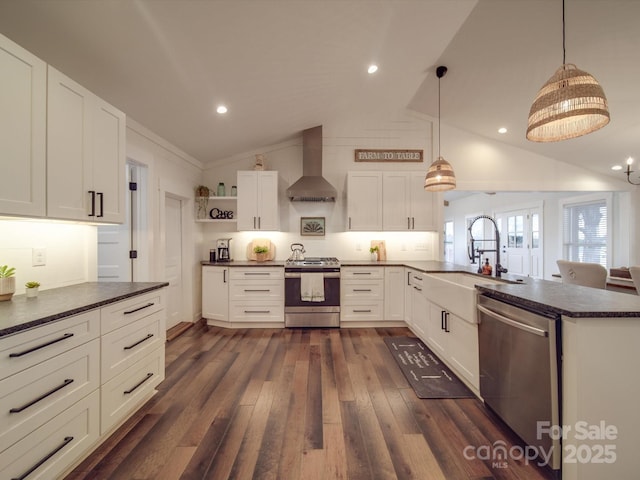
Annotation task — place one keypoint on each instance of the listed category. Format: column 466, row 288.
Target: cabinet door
column 408, row 295
column 437, row 336
column 108, row 156
column 23, row 108
column 267, row 206
column 395, row 208
column 364, row 201
column 419, row 312
column 394, row 281
column 424, row 206
column 247, row 200
column 68, row 148
column 215, row 293
column 463, row 348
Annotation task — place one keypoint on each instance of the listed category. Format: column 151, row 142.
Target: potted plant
column 7, row 282
column 262, row 252
column 202, row 201
column 374, row 253
column 32, row 289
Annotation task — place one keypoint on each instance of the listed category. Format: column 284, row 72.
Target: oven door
column 299, row 313
column 292, row 297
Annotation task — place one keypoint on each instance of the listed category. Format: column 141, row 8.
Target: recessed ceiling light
column 629, row 161
column 221, row 109
column 616, row 167
column 502, row 130
column 373, row 68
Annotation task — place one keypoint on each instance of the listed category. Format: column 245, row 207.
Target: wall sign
column 388, row 155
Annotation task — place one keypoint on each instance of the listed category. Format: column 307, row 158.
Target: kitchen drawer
column 359, row 273
column 370, row 311
column 256, row 290
column 123, row 313
column 362, row 289
column 124, row 393
column 256, row 273
column 256, row 311
column 127, row 345
column 38, row 394
column 415, row 278
column 28, row 348
column 57, row 444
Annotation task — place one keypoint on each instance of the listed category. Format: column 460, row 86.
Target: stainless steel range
column 312, row 292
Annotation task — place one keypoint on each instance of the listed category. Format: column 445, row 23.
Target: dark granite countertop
column 21, row 313
column 543, row 295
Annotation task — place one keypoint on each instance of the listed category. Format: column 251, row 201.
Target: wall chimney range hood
column 312, row 187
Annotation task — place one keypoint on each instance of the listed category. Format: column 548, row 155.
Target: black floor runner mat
column 429, row 377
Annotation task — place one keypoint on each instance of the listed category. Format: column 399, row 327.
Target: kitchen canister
column 221, row 190
column 234, row 191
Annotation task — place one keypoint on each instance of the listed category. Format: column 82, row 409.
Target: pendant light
column 571, row 104
column 440, row 176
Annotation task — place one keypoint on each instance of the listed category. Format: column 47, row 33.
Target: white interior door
column 173, row 260
column 521, row 241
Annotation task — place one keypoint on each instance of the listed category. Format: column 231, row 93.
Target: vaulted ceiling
column 285, row 65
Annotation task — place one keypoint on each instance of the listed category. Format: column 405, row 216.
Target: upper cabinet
column 258, row 200
column 392, row 201
column 407, row 205
column 364, row 201
column 23, row 110
column 85, row 154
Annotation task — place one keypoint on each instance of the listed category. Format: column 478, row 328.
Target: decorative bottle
column 221, row 190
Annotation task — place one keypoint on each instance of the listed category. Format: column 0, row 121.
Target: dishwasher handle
column 514, row 323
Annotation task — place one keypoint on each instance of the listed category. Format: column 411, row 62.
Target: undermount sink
column 455, row 291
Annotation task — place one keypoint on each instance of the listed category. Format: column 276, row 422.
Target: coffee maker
column 223, row 245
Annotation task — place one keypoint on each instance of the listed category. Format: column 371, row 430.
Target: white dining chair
column 586, row 274
column 635, row 276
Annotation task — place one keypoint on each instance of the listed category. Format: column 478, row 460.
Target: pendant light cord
column 564, row 48
column 439, row 116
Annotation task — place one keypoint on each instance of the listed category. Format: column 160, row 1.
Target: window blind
column 585, row 235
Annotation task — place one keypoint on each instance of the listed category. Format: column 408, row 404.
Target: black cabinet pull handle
column 138, row 309
column 101, row 197
column 417, row 288
column 133, row 389
column 66, row 382
column 93, row 203
column 150, row 335
column 224, row 276
column 33, row 349
column 362, row 311
column 442, row 320
column 362, row 273
column 66, row 441
column 248, row 274
column 361, row 289
column 257, row 290
column 446, row 322
column 257, row 311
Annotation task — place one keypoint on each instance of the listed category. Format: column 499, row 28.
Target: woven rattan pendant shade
column 571, row 103
column 440, row 176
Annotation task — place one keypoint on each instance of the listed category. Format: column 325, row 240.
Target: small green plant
column 32, row 284
column 374, row 249
column 260, row 249
column 5, row 271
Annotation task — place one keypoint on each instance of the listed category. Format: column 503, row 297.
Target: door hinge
column 133, row 186
column 133, row 254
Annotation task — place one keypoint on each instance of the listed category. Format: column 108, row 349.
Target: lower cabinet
column 66, row 385
column 394, row 293
column 215, row 293
column 455, row 341
column 362, row 294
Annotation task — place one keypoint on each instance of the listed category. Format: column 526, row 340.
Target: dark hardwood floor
column 298, row 404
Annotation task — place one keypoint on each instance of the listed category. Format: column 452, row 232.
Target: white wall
column 395, row 130
column 70, row 252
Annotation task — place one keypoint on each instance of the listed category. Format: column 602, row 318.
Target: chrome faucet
column 499, row 268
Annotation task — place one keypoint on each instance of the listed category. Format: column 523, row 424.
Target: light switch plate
column 39, row 257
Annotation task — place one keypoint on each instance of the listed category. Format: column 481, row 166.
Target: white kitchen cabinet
column 394, row 281
column 419, row 305
column 364, row 201
column 85, row 154
column 408, row 293
column 215, row 293
column 406, row 204
column 455, row 341
column 362, row 294
column 23, row 116
column 256, row 295
column 258, row 207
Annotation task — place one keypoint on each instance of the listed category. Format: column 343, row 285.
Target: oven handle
column 324, row 274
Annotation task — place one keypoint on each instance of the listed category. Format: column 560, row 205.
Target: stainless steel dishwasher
column 519, row 370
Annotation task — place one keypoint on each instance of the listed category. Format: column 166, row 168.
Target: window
column 586, row 230
column 448, row 242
